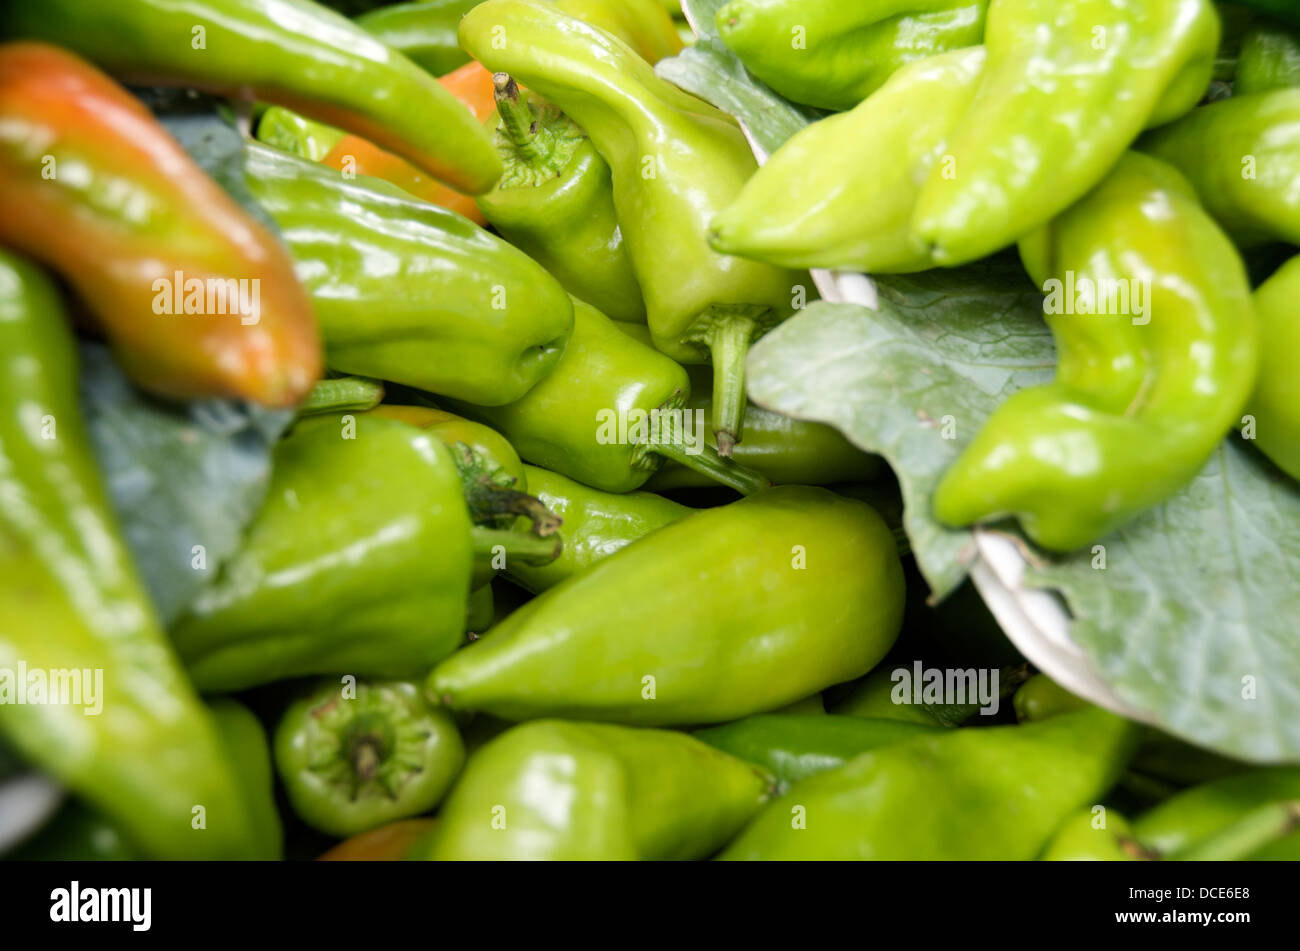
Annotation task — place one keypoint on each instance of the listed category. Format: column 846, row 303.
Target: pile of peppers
column 529, row 579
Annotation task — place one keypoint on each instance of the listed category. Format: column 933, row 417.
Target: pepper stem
column 530, row 549
column 729, row 336
column 365, row 759
column 708, row 462
column 488, row 502
column 345, row 393
column 519, row 122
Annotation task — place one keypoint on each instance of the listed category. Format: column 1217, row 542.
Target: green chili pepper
column 727, row 612
column 287, row 131
column 355, row 756
column 1197, row 814
column 833, row 55
column 1066, row 89
column 994, row 793
column 1143, row 395
column 793, row 747
column 556, row 203
column 557, row 790
column 290, row 52
column 409, row 292
column 1041, row 697
column 609, row 413
column 596, row 524
column 785, row 450
column 1275, row 405
column 249, row 752
column 359, row 562
column 130, row 735
column 481, row 611
column 423, row 32
column 675, row 161
column 1269, row 59
column 1240, row 155
column 1095, row 834
column 1270, row 831
column 643, row 25
column 824, row 201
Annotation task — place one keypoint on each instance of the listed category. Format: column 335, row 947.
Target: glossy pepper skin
column 74, row 603
column 555, row 203
column 423, row 32
column 581, row 420
column 293, row 53
column 358, row 562
column 993, row 793
column 832, row 54
column 822, row 200
column 643, row 25
column 596, row 524
column 584, row 791
column 95, row 188
column 474, row 318
column 249, row 752
column 675, row 161
column 1018, row 157
column 1240, row 155
column 287, row 131
column 1139, row 402
column 793, row 747
column 727, row 612
column 1092, row 836
column 1275, row 404
column 1269, row 59
column 354, row 757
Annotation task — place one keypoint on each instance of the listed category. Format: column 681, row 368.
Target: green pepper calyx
column 536, row 140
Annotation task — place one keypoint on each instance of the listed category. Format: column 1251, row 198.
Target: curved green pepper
column 822, row 200
column 342, row 395
column 356, row 756
column 359, row 562
column 643, row 25
column 596, row 524
column 291, row 52
column 993, row 793
column 81, row 833
column 1066, row 89
column 785, row 450
column 675, row 162
column 882, row 696
column 130, row 736
column 793, row 747
column 1269, row 59
column 423, row 32
column 1275, row 404
column 583, row 791
column 409, row 292
column 1242, row 155
column 727, row 612
column 832, row 54
column 1198, row 814
column 555, row 203
column 609, row 413
column 1143, row 394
